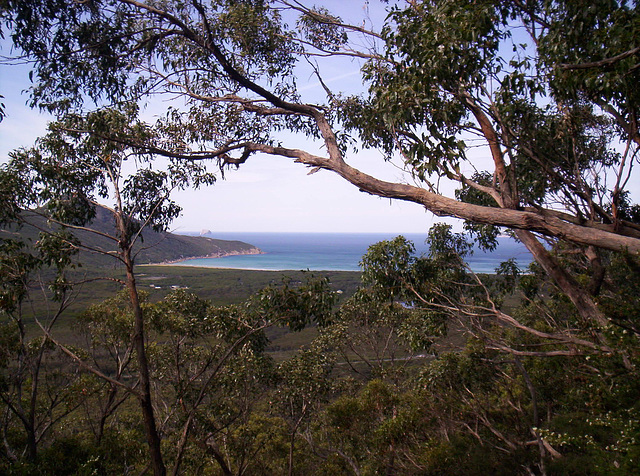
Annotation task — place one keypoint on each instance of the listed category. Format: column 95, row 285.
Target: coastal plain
column 220, row 286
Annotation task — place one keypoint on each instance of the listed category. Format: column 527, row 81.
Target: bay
column 337, row 251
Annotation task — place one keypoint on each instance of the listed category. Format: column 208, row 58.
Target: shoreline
column 251, row 251
column 200, row 266
column 176, row 265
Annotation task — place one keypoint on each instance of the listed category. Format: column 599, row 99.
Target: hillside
column 152, row 248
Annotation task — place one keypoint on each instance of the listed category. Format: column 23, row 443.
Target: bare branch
column 84, row 365
column 603, row 63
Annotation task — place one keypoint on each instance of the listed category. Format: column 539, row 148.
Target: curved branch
column 601, row 63
column 535, row 221
column 224, row 62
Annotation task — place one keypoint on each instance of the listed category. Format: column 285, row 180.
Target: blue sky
column 272, row 193
column 267, row 193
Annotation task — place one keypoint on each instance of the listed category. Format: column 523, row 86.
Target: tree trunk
column 146, row 402
column 578, row 296
column 32, row 446
column 292, row 441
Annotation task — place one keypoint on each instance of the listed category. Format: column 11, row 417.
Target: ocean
column 337, row 252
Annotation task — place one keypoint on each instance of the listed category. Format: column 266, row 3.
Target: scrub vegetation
column 426, row 368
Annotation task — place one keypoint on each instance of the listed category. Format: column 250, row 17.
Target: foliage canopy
column 530, row 108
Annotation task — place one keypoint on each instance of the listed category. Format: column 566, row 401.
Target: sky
column 267, row 193
column 271, row 193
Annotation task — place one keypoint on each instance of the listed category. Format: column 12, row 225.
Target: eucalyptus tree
column 35, row 393
column 61, row 180
column 539, row 100
column 89, row 165
column 481, row 399
column 545, row 88
column 453, row 85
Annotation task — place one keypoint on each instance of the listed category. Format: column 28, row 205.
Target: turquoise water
column 337, row 252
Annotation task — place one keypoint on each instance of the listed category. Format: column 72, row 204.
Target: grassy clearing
column 221, row 286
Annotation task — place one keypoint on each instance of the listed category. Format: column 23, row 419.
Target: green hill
column 151, row 248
